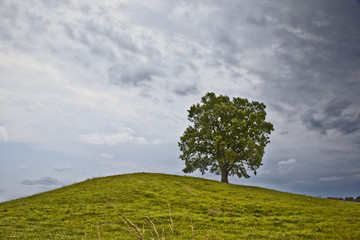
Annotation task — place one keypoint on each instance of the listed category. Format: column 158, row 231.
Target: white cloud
column 356, row 177
column 3, row 133
column 105, row 155
column 42, row 181
column 331, row 179
column 159, row 141
column 355, row 170
column 287, row 162
column 286, row 165
column 23, row 167
column 111, row 139
column 62, row 168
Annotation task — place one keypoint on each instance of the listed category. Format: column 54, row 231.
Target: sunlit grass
column 101, row 208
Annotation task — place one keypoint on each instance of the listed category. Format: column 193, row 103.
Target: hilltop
column 200, row 208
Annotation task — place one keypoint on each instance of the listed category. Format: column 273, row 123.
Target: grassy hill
column 200, row 209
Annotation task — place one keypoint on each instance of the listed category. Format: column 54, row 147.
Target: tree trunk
column 224, row 176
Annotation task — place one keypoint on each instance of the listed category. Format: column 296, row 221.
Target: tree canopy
column 226, row 137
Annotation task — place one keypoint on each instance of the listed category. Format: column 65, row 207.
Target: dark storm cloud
column 61, row 168
column 334, row 116
column 69, row 30
column 131, row 75
column 38, row 22
column 227, row 48
column 103, row 52
column 315, row 174
column 5, row 34
column 335, row 107
column 315, row 59
column 186, row 90
column 8, row 14
column 54, row 3
column 42, row 181
column 21, row 26
column 115, row 33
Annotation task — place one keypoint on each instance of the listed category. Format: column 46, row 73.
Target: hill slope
column 93, row 210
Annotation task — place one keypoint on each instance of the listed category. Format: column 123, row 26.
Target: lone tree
column 229, row 137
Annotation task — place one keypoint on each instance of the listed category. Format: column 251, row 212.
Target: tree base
column 224, row 178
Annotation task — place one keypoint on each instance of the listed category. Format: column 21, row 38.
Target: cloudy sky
column 94, row 88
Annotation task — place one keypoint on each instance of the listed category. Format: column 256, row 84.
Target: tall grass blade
column 154, row 227
column 129, row 223
column 192, row 230
column 171, row 223
column 98, row 231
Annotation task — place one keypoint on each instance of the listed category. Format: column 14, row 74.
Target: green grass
column 97, row 208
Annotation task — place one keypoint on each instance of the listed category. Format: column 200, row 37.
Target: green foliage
column 214, row 210
column 227, row 136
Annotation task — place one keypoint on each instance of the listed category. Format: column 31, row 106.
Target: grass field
column 200, row 209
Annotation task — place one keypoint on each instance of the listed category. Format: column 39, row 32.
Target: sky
column 97, row 88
